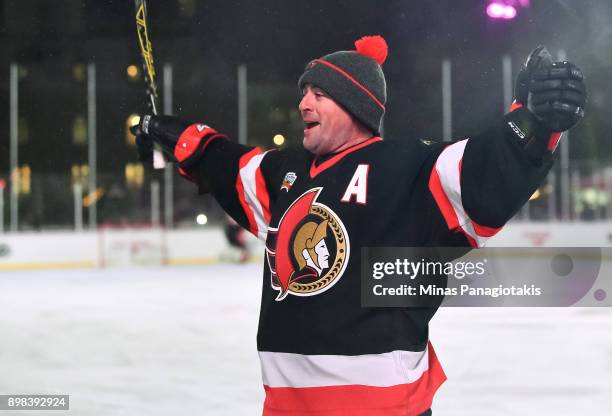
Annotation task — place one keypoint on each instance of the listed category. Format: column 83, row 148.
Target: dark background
column 206, row 40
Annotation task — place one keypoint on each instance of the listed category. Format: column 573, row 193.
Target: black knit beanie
column 354, row 79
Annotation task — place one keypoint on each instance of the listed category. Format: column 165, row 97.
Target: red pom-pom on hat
column 374, row 47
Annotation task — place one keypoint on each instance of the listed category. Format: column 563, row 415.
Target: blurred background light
column 497, row 10
column 133, row 119
column 279, row 139
column 133, row 72
column 505, row 9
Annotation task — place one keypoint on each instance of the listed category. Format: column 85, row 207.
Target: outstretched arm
column 479, row 183
column 236, row 175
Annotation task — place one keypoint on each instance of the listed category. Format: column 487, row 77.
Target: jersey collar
column 316, row 169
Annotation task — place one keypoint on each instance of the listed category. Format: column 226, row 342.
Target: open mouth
column 310, row 125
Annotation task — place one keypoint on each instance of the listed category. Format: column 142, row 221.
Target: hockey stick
column 149, row 70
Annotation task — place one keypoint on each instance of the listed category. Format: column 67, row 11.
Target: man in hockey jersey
column 346, row 188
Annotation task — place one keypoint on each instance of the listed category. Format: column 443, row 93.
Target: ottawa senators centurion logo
column 308, row 252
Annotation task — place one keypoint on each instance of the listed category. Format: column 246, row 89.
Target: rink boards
column 138, row 246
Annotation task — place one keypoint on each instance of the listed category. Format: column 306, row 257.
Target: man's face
column 328, row 127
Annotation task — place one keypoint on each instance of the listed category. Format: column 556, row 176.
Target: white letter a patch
column 358, row 186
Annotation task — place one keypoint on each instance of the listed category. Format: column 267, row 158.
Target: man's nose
column 305, row 103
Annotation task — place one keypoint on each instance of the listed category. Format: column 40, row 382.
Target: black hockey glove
column 143, row 144
column 554, row 91
column 181, row 141
column 549, row 99
column 164, row 130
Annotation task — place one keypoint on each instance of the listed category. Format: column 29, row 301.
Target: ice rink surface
column 181, row 341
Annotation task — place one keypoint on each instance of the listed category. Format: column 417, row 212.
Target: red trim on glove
column 515, row 106
column 190, row 139
column 553, row 141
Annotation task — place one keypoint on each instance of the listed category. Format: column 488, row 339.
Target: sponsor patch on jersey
column 290, row 178
column 309, row 251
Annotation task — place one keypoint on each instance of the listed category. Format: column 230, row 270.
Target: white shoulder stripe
column 447, row 167
column 249, row 182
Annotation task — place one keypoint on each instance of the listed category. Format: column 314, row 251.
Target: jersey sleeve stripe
column 375, row 383
column 435, row 187
column 445, row 185
column 262, row 194
column 485, row 231
column 252, row 193
column 245, row 206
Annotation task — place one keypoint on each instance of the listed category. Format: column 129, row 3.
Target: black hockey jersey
column 321, row 352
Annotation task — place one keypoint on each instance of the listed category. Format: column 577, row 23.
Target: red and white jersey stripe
column 445, row 185
column 396, row 382
column 253, row 194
